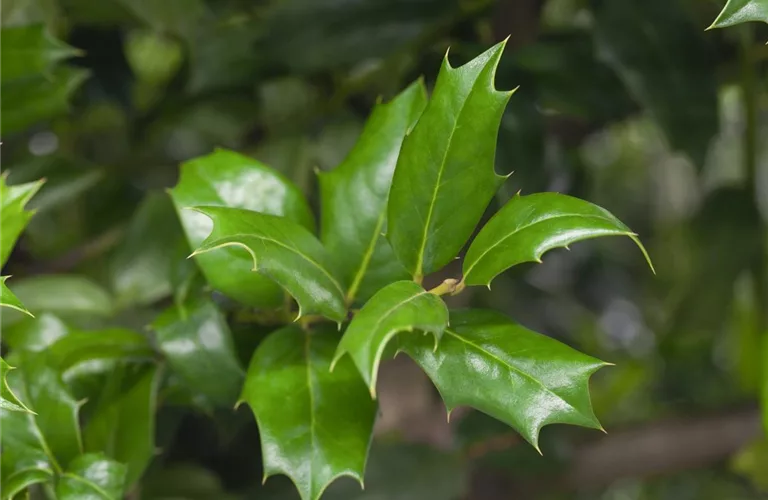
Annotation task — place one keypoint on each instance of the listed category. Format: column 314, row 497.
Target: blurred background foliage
column 630, row 104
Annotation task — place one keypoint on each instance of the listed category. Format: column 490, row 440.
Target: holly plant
column 401, row 207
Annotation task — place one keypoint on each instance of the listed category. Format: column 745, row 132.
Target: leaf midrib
column 527, row 226
column 367, row 256
column 310, row 385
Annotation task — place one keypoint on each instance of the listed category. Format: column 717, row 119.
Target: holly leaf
column 354, row 197
column 30, row 51
column 8, row 400
column 323, row 430
column 28, row 102
column 8, row 299
column 528, row 226
column 401, row 306
column 92, row 477
column 35, row 334
column 283, row 251
column 444, row 177
column 108, row 344
column 228, row 179
column 523, row 378
column 13, row 217
column 122, row 424
column 196, row 341
column 741, row 11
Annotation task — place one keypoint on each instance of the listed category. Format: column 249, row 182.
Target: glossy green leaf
column 354, row 197
column 197, row 343
column 30, row 51
column 228, row 179
column 523, row 378
column 8, row 299
column 285, row 252
column 122, row 424
column 42, row 388
column 667, row 66
column 26, row 103
column 8, row 400
column 528, row 226
column 13, row 217
column 86, row 346
column 401, row 306
column 445, row 173
column 323, row 429
column 34, row 334
column 142, row 265
column 741, row 11
column 92, row 477
column 23, row 479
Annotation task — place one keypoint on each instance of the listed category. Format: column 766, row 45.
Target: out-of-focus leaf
column 142, row 265
column 190, row 482
column 764, row 383
column 30, row 51
column 26, row 12
column 523, row 378
column 197, row 343
column 401, row 306
column 322, row 431
column 42, row 388
column 26, row 103
column 34, row 334
column 122, row 424
column 667, row 66
column 422, row 473
column 23, row 479
column 154, row 58
column 228, row 179
column 354, row 197
column 447, row 162
column 65, row 295
column 92, row 477
column 741, row 11
column 328, row 34
column 13, row 217
column 180, row 17
column 8, row 400
column 285, row 252
column 752, row 462
column 528, row 226
column 87, row 346
column 8, row 299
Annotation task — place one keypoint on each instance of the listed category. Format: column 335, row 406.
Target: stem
column 448, row 286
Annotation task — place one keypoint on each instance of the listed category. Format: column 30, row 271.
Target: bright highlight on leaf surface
column 315, row 425
column 8, row 400
column 283, row 251
column 403, row 306
column 444, row 178
column 741, row 11
column 525, row 379
column 528, row 226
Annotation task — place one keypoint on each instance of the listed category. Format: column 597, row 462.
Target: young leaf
column 92, row 476
column 30, row 51
column 741, row 11
column 8, row 400
column 315, row 424
column 13, row 217
column 354, row 197
column 285, row 252
column 8, row 299
column 444, row 177
column 528, row 226
column 197, row 343
column 228, row 179
column 401, row 306
column 522, row 378
column 122, row 425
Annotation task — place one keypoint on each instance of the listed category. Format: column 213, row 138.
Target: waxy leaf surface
column 109, row 344
column 520, row 377
column 122, row 424
column 285, row 252
column 315, row 425
column 8, row 299
column 742, row 11
column 197, row 343
column 8, row 400
column 444, row 177
column 228, row 179
column 401, row 306
column 13, row 217
column 528, row 226
column 354, row 197
column 92, row 477
column 30, row 51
